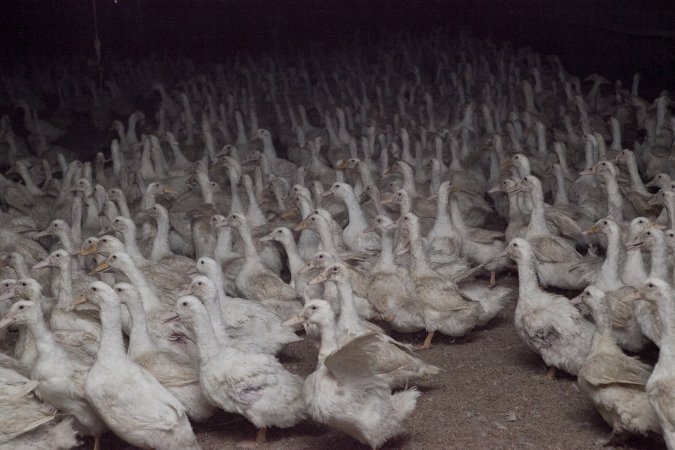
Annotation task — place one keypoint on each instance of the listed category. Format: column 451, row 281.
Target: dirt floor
column 493, row 394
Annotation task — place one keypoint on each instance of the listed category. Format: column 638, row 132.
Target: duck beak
column 494, row 190
column 658, row 226
column 6, row 321
column 90, row 250
column 592, row 230
column 205, row 226
column 103, row 267
column 169, row 190
column 105, row 231
column 266, row 238
column 301, row 226
column 387, row 199
column 295, row 320
column 342, row 165
column 635, row 295
column 7, row 295
column 42, row 264
column 78, row 300
column 306, row 268
column 635, row 243
column 171, row 317
column 507, row 164
column 587, row 172
column 651, row 183
column 320, row 278
column 42, row 233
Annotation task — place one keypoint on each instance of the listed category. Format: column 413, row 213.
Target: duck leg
column 427, row 341
column 97, row 441
column 493, row 279
column 261, row 437
column 550, row 374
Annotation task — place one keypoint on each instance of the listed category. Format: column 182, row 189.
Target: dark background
column 614, row 38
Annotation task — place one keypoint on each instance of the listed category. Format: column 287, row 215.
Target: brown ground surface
column 492, row 394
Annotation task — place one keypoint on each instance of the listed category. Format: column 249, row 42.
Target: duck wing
column 483, row 236
column 357, row 363
column 605, row 368
column 550, row 249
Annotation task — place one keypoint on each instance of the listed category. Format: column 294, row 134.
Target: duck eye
column 58, row 256
column 24, row 284
column 335, row 269
column 94, row 289
column 201, row 262
column 515, row 245
column 313, row 307
column 650, row 285
column 21, row 307
column 199, row 284
column 320, row 256
column 185, row 304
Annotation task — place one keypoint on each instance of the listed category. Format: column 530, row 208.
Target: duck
column 132, row 403
column 174, row 371
column 255, row 281
column 243, row 321
column 615, row 382
column 28, row 423
column 344, row 392
column 387, row 289
column 547, row 323
column 660, row 383
column 254, row 385
column 397, row 365
column 59, row 375
column 353, row 235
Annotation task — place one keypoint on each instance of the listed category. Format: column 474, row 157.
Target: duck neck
column 614, row 199
column 295, row 262
column 223, row 249
column 385, row 262
column 44, row 339
column 328, row 339
column 610, row 267
column 419, row 263
column 326, row 238
column 148, row 297
column 236, row 206
column 65, row 285
column 456, row 216
column 160, row 246
column 527, row 278
column 356, row 217
column 659, row 267
column 207, row 342
column 409, row 181
column 140, row 341
column 111, row 345
column 635, row 180
column 635, row 263
column 347, row 309
column 537, row 226
column 123, row 207
column 131, row 246
column 247, row 240
column 205, row 187
column 212, row 304
column 268, row 147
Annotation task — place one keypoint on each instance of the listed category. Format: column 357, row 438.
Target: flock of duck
column 143, row 290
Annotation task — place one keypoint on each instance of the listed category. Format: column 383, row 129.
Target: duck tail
column 63, row 435
column 404, row 403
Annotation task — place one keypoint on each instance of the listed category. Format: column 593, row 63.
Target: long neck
column 123, row 207
column 111, row 346
column 247, row 240
column 150, row 300
column 223, row 243
column 295, row 261
column 527, row 278
column 347, row 309
column 206, row 338
column 385, row 261
column 65, row 285
column 614, row 199
column 635, row 263
column 160, row 246
column 205, row 188
column 236, row 206
column 212, row 304
column 44, row 340
column 130, row 244
column 326, row 238
column 356, row 216
column 456, row 216
column 140, row 341
column 635, row 179
column 659, row 267
column 610, row 268
column 328, row 340
column 537, row 226
column 419, row 264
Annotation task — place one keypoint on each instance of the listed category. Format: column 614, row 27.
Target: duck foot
column 427, row 342
column 97, row 441
column 550, row 373
column 260, row 438
column 493, row 280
